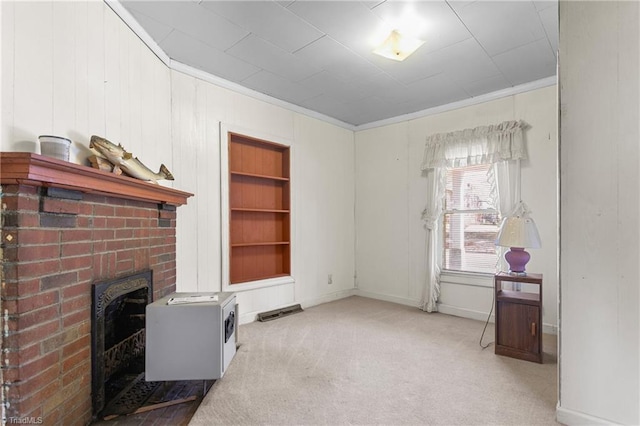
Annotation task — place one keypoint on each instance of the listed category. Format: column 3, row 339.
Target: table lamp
column 518, row 231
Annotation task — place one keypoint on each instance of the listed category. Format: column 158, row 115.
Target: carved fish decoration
column 121, row 159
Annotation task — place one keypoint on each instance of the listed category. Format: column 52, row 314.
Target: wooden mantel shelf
column 26, row 168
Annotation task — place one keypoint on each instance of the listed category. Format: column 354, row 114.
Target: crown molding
column 235, row 87
column 137, row 29
column 510, row 91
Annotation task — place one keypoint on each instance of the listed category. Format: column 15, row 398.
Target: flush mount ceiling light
column 398, row 47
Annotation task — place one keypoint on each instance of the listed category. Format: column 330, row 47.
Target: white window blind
column 470, row 222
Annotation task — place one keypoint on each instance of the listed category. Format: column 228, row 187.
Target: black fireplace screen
column 118, row 334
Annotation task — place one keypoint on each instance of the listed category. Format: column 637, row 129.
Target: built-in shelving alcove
column 259, row 209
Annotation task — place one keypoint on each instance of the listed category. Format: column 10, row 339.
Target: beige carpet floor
column 364, row 361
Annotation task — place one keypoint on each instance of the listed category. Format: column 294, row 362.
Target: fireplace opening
column 118, row 343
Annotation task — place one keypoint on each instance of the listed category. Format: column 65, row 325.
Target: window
column 470, row 222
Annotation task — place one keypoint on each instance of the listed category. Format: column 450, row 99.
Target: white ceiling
column 317, row 54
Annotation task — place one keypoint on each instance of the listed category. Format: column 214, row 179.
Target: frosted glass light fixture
column 398, row 47
column 518, row 231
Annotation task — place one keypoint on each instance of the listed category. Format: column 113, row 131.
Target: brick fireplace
column 65, row 227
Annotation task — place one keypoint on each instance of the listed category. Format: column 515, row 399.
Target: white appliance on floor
column 191, row 339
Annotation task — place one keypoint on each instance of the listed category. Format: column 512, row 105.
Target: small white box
column 190, row 341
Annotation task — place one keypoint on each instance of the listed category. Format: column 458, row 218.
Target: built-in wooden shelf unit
column 259, row 204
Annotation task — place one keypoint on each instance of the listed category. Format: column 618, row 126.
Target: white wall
column 599, row 162
column 324, row 202
column 382, row 214
column 74, row 69
column 322, row 182
column 391, row 194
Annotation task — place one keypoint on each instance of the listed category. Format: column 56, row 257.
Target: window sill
column 473, row 279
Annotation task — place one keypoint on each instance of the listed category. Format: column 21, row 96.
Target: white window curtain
column 504, row 178
column 502, row 145
column 431, row 217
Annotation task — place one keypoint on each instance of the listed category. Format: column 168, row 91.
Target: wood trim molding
column 25, row 168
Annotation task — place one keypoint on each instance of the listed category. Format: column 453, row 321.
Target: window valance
column 482, row 145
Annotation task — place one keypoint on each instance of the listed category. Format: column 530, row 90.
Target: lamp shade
column 518, row 231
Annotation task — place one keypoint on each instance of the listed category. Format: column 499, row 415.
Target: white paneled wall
column 196, row 157
column 391, row 194
column 382, row 239
column 74, row 69
column 323, row 180
column 322, row 194
column 600, row 214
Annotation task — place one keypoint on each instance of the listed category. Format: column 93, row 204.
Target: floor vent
column 279, row 313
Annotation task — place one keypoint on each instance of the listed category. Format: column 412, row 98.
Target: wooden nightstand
column 519, row 317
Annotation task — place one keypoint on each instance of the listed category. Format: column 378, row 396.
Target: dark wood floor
column 174, row 415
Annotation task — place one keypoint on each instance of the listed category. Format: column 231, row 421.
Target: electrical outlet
column 330, row 279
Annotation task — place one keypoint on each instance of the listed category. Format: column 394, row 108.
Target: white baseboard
column 387, row 298
column 248, row 317
column 463, row 312
column 328, row 298
column 482, row 316
column 570, row 417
